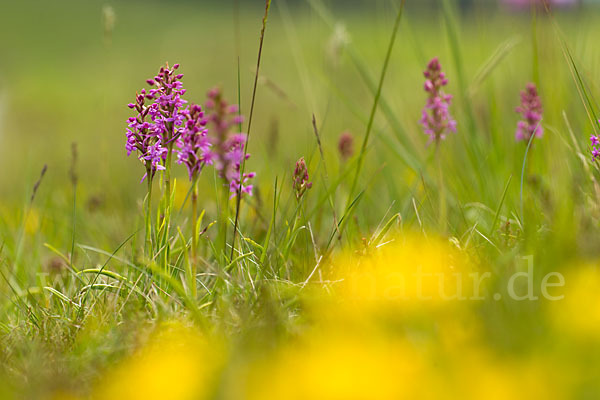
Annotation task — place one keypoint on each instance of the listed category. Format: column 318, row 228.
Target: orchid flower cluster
column 531, row 111
column 157, row 125
column 194, row 144
column 228, row 153
column 168, row 124
column 141, row 136
column 595, row 144
column 301, row 179
column 436, row 119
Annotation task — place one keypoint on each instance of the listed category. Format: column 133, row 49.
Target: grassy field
column 462, row 269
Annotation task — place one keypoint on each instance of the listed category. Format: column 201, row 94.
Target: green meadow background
column 63, row 80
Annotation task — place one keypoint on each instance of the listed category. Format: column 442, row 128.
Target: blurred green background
column 66, row 77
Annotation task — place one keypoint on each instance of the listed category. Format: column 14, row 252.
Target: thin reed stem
column 443, row 213
column 149, row 252
column 363, row 149
column 194, row 262
column 243, row 166
column 167, row 208
column 534, row 45
column 221, row 242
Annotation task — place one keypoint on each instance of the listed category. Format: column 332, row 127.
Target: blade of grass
column 74, row 179
column 299, row 62
column 377, row 240
column 331, row 193
column 104, row 266
column 584, row 95
column 21, row 303
column 179, row 290
column 472, row 139
column 453, row 40
column 363, row 149
column 491, row 63
column 500, row 205
column 523, row 171
column 250, row 116
column 408, row 151
column 61, row 296
column 265, row 246
column 534, row 44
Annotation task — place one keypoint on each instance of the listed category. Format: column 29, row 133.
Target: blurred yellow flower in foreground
column 343, row 367
column 578, row 313
column 357, row 365
column 177, row 363
column 476, row 371
column 409, row 269
column 406, row 277
column 400, row 323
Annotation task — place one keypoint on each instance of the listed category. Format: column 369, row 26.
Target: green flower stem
column 222, row 223
column 194, row 262
column 443, row 213
column 167, row 210
column 149, row 252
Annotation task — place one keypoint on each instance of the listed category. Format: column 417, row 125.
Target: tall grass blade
column 491, row 63
column 525, row 157
column 534, row 45
column 250, row 116
column 363, row 149
column 408, row 151
column 265, row 246
column 506, row 186
column 104, row 266
column 584, row 95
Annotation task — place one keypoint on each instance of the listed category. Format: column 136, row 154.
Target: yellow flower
column 177, row 363
column 578, row 313
column 475, row 372
column 343, row 367
column 411, row 268
column 403, row 279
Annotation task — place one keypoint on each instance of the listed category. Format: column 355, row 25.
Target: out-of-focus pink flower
column 531, row 111
column 346, row 145
column 301, row 179
column 227, row 152
column 436, row 118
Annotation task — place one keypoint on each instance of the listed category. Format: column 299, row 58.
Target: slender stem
column 534, row 45
column 243, row 166
column 149, row 216
column 363, row 149
column 236, row 26
column 290, row 240
column 525, row 158
column 167, row 209
column 442, row 189
column 168, row 178
column 326, row 177
column 194, row 262
column 222, row 219
column 73, row 227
